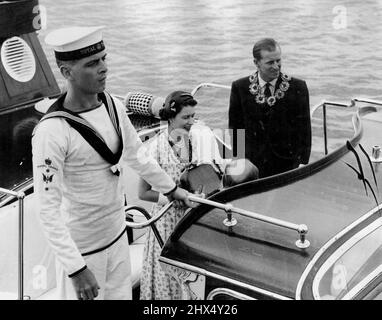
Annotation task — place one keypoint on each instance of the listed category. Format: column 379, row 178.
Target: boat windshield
column 354, row 267
column 16, row 129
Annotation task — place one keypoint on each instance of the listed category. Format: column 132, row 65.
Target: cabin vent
column 18, row 59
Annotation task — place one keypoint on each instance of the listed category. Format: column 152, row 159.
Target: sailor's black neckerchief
column 87, row 131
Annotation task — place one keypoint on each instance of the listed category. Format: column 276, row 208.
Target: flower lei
column 255, row 89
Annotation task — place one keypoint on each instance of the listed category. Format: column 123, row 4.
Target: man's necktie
column 267, row 91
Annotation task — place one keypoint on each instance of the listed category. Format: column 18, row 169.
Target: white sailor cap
column 76, row 42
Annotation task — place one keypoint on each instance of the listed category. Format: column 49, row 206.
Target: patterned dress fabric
column 155, row 283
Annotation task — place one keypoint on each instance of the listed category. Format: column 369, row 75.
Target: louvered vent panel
column 18, row 59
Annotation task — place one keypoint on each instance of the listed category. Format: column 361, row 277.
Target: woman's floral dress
column 155, row 283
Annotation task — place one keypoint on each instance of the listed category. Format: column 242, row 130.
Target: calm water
column 160, row 46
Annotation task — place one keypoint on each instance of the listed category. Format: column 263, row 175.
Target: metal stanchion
column 20, row 196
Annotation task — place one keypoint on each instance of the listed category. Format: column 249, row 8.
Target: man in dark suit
column 273, row 109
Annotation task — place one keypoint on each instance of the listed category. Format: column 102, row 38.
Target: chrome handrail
column 24, row 189
column 20, row 196
column 379, row 103
column 209, row 84
column 331, row 103
column 302, row 229
column 213, row 85
column 145, row 213
column 324, row 104
column 140, row 225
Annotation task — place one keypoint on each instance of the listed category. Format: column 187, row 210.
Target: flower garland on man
column 260, row 98
column 277, row 127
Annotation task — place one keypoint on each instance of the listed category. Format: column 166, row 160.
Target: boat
column 311, row 233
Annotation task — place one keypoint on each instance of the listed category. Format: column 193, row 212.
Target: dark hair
column 61, row 63
column 267, row 44
column 174, row 104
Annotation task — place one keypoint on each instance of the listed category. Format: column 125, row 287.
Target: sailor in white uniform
column 77, row 150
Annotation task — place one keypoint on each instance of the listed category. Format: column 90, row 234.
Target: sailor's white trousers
column 111, row 268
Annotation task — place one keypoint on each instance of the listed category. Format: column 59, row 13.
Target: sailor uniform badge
column 47, row 175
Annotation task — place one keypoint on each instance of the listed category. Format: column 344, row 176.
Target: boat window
column 353, row 267
column 15, row 146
